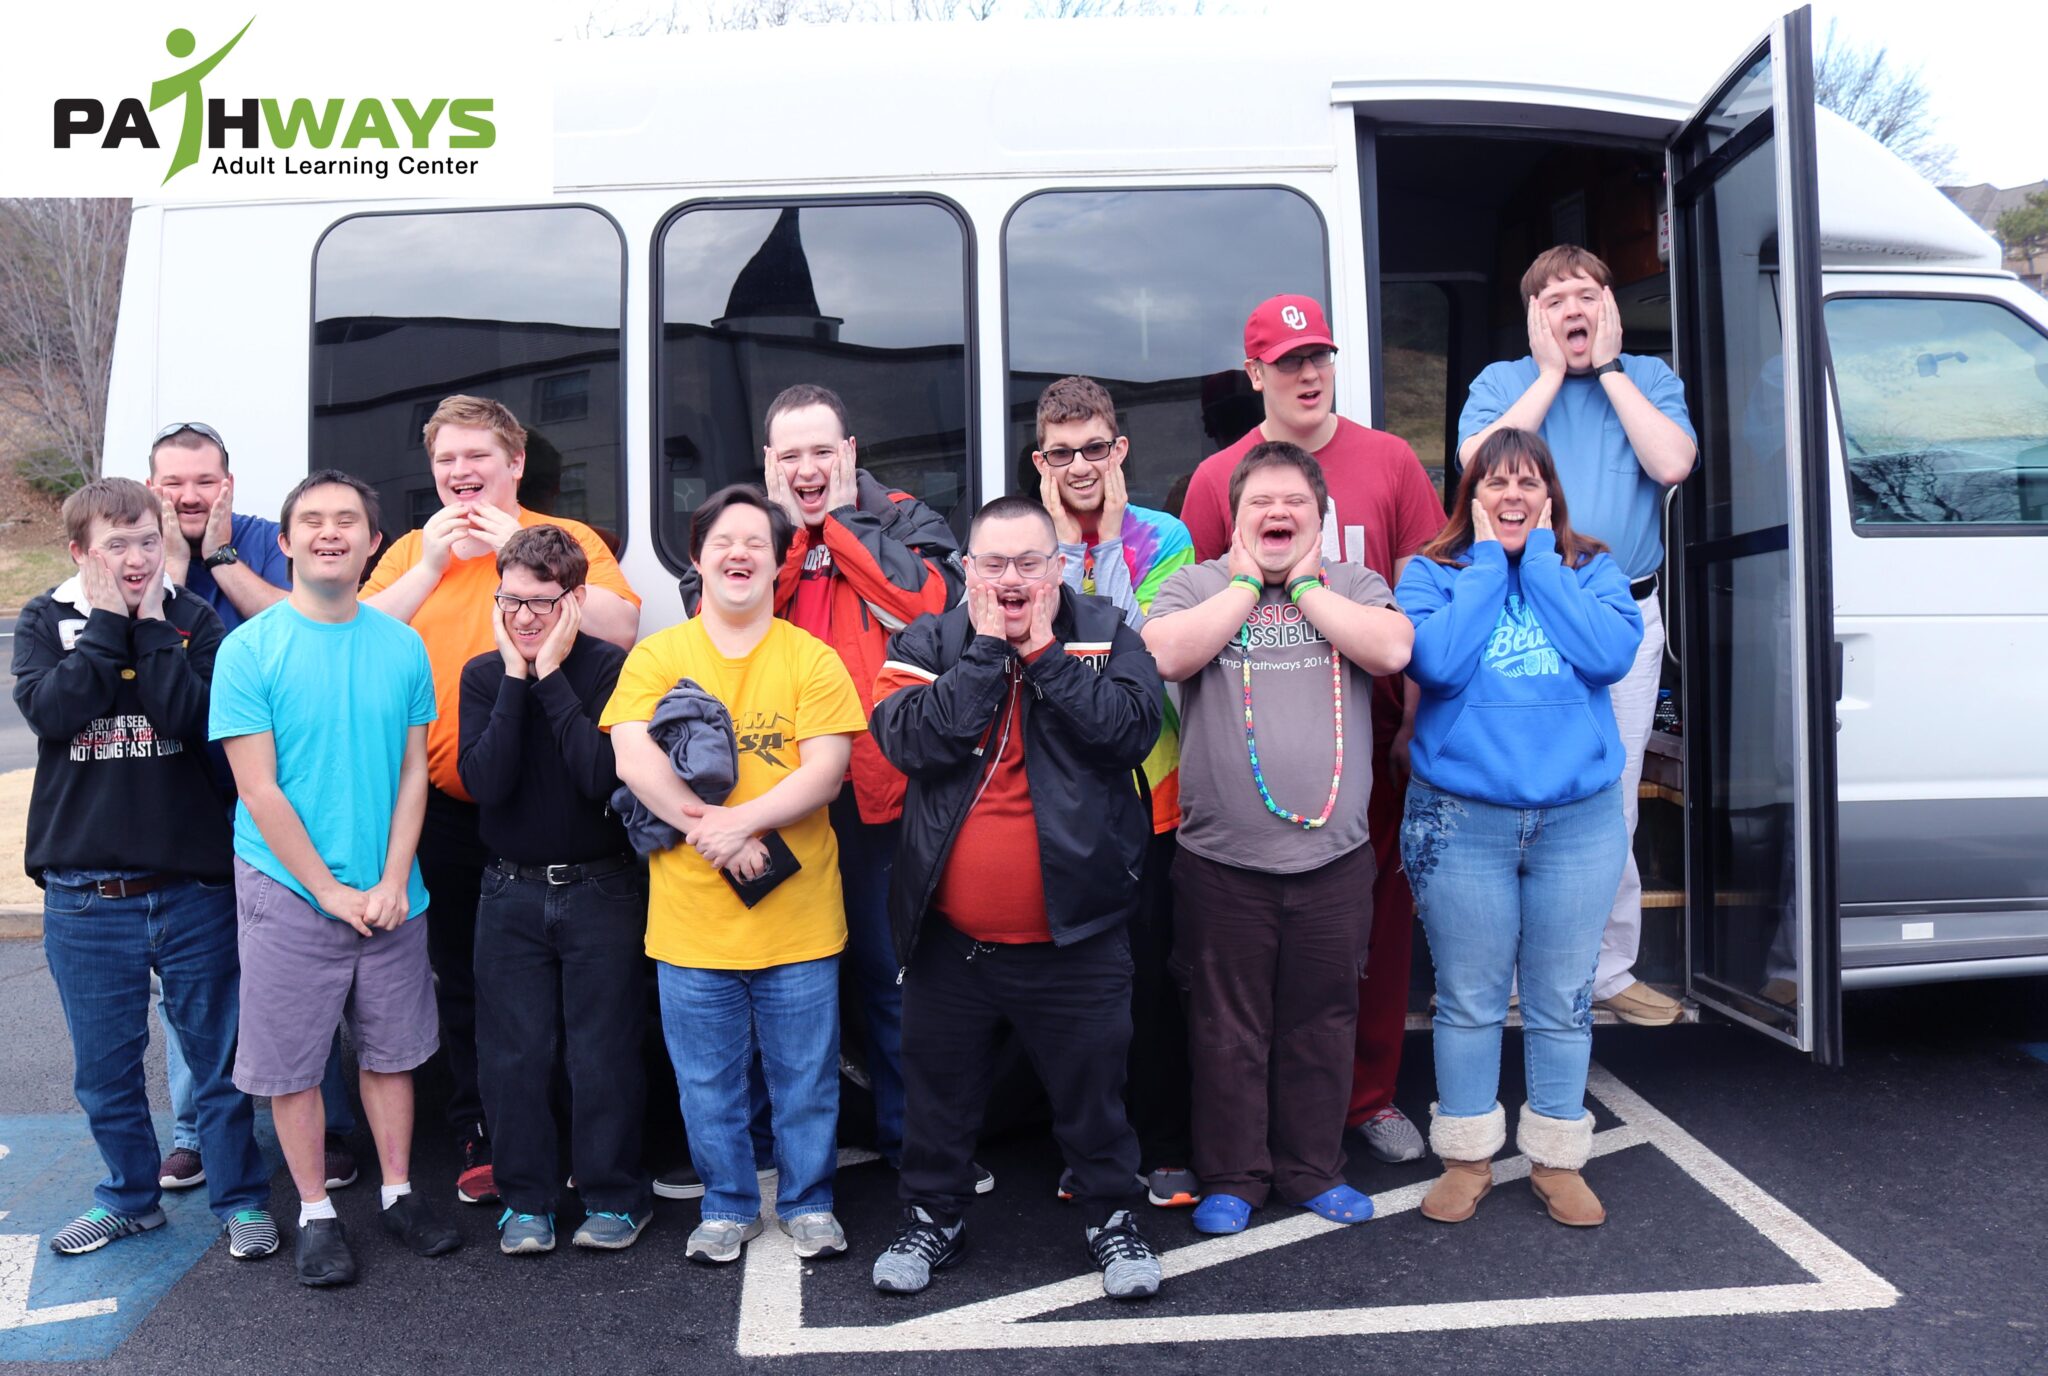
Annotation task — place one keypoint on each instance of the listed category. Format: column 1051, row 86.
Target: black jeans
column 1158, row 1088
column 558, row 971
column 1071, row 1010
column 452, row 857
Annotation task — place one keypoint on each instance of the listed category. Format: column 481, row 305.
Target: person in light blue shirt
column 1617, row 426
column 1513, row 833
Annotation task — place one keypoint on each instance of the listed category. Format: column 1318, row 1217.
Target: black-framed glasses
column 1095, row 451
column 539, row 606
column 197, row 427
column 1290, row 364
column 1033, row 565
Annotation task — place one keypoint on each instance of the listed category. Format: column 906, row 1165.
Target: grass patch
column 24, row 573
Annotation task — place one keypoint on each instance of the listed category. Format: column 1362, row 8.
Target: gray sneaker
column 921, row 1247
column 718, row 1240
column 1391, row 1137
column 611, row 1232
column 815, row 1235
column 525, row 1234
column 1130, row 1268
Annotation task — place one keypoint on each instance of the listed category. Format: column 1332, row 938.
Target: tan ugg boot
column 1467, row 1147
column 1557, row 1148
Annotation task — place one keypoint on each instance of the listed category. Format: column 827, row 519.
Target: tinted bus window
column 524, row 306
column 868, row 298
column 1147, row 293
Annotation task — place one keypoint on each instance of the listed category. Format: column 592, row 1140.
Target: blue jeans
column 714, row 1022
column 341, row 1122
column 867, row 855
column 1502, row 891
column 101, row 952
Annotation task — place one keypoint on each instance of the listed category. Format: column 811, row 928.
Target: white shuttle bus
column 938, row 219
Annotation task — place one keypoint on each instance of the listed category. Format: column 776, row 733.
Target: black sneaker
column 680, row 1183
column 920, row 1248
column 411, row 1221
column 323, row 1257
column 476, row 1182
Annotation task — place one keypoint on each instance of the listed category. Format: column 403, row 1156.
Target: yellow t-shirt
column 791, row 688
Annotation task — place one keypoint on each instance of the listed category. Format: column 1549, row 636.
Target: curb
column 21, row 923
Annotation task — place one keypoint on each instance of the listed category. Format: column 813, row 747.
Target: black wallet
column 782, row 863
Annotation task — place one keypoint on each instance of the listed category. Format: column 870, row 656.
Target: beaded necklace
column 1251, row 744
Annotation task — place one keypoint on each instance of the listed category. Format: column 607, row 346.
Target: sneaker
column 1644, row 1006
column 815, row 1235
column 524, row 1234
column 680, row 1183
column 181, row 1170
column 921, row 1247
column 1065, row 1192
column 1390, row 1136
column 341, row 1164
column 476, row 1183
column 322, row 1257
column 1173, row 1187
column 611, row 1232
column 1130, row 1268
column 96, row 1227
column 718, row 1240
column 251, row 1234
column 984, row 1178
column 411, row 1220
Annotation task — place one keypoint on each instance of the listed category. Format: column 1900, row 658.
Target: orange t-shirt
column 455, row 622
column 993, row 889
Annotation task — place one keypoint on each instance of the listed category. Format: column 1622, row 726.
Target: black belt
column 1643, row 587
column 564, row 874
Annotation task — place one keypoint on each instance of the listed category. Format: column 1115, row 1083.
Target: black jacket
column 1089, row 717
column 119, row 707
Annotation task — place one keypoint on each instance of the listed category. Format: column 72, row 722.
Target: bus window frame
column 677, row 561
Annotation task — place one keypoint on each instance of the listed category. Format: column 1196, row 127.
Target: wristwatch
column 1612, row 365
column 226, row 554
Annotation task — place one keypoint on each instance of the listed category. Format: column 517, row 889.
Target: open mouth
column 1081, row 487
column 1310, row 397
column 1577, row 337
column 1276, row 539
column 808, row 495
column 738, row 574
column 528, row 636
column 465, row 490
column 1511, row 520
column 135, row 582
column 1013, row 599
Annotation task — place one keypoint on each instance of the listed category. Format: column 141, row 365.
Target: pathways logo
column 290, row 103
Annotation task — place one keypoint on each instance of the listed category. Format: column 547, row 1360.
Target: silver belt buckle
column 552, row 870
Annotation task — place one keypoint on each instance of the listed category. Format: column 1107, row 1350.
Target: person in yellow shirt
column 736, row 979
column 439, row 579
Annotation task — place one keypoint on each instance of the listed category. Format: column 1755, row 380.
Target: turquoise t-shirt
column 338, row 699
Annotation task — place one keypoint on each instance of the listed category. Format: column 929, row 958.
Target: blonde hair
column 478, row 413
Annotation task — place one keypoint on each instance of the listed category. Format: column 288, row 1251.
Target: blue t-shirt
column 255, row 541
column 338, row 699
column 1611, row 498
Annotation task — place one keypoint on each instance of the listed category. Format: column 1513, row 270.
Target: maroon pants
column 1273, row 966
column 1383, row 993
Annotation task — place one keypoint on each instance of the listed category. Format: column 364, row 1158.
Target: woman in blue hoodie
column 1513, row 835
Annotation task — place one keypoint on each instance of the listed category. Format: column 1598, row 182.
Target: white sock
column 391, row 1194
column 323, row 1207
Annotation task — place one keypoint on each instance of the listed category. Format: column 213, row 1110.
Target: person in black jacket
column 563, row 909
column 1019, row 718
column 128, row 836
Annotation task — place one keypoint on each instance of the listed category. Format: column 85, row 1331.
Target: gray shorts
column 303, row 971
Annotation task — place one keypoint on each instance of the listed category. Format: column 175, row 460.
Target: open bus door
column 1762, row 935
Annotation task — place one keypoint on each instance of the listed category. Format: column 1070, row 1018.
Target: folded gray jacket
column 695, row 731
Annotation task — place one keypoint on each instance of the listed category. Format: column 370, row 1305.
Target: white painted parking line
column 771, row 1302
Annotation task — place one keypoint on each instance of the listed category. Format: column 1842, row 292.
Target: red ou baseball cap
column 1280, row 324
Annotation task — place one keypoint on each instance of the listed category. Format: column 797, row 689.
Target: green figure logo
column 180, row 43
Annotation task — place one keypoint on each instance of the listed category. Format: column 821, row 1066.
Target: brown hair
column 330, row 477
column 1072, row 399
column 1507, row 450
column 187, row 438
column 116, row 501
column 547, row 552
column 1279, row 454
column 1555, row 264
column 797, row 398
column 481, row 413
column 780, row 531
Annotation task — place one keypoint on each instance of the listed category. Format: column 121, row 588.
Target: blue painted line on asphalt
column 2038, row 1050
column 46, row 1180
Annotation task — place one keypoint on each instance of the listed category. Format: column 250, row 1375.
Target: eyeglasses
column 197, row 427
column 539, row 606
column 1095, row 451
column 1290, row 364
column 991, row 566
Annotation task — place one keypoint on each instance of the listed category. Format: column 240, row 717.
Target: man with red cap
column 1381, row 508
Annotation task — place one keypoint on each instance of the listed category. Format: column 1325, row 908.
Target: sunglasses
column 197, row 427
column 1095, row 451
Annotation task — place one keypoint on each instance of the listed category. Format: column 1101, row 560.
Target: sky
column 1982, row 61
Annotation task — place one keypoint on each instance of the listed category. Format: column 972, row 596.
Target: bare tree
column 1887, row 101
column 60, row 290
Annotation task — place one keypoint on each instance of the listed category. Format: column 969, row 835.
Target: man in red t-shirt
column 1382, row 508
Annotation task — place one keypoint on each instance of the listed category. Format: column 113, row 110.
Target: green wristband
column 1300, row 586
column 1254, row 584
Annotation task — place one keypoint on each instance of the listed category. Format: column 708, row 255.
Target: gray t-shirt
column 1222, row 816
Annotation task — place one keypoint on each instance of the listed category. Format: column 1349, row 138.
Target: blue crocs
column 1222, row 1213
column 1340, row 1204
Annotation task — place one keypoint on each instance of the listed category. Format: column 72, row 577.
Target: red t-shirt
column 993, row 889
column 810, row 606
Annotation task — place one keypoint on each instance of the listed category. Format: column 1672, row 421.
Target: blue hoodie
column 1514, row 658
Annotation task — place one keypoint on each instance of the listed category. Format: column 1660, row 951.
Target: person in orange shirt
column 440, row 579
